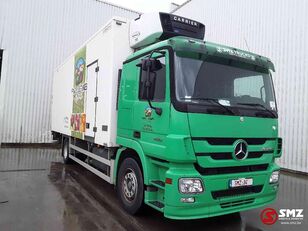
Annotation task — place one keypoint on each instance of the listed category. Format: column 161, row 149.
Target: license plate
column 241, row 182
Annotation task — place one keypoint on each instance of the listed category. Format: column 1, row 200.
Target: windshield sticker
column 272, row 105
column 224, row 102
column 235, row 53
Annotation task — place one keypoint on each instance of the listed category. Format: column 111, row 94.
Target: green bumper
column 207, row 205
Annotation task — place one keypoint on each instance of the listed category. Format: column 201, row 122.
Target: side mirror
column 150, row 66
column 150, row 90
column 148, row 86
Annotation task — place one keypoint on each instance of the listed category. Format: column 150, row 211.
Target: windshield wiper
column 259, row 105
column 214, row 101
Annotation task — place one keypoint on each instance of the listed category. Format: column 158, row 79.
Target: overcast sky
column 146, row 5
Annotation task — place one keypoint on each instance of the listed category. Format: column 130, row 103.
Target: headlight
column 190, row 185
column 274, row 177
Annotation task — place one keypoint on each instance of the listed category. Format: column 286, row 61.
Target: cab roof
column 181, row 43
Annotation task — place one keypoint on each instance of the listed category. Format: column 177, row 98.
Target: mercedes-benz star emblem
column 240, row 149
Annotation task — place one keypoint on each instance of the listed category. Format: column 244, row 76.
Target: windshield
column 232, row 87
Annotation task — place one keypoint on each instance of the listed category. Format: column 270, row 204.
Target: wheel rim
column 65, row 152
column 130, row 185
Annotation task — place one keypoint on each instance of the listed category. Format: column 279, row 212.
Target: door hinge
column 96, row 69
column 94, row 129
column 95, row 99
column 87, row 125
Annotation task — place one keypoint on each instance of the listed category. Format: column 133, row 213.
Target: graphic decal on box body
column 78, row 117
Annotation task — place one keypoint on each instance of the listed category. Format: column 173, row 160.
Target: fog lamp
column 188, row 199
column 274, row 177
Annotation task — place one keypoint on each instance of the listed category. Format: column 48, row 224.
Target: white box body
column 145, row 30
column 88, row 79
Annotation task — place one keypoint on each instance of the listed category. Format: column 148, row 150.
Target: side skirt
column 107, row 162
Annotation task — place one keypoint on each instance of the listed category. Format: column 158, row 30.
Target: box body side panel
column 107, row 49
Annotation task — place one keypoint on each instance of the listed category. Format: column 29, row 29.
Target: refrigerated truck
column 180, row 124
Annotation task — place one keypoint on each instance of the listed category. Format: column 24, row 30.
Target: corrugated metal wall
column 37, row 36
column 277, row 29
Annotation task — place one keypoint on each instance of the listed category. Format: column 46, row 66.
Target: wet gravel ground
column 39, row 192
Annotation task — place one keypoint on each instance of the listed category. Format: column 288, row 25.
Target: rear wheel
column 130, row 187
column 65, row 152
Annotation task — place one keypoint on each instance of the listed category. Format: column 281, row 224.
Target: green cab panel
column 180, row 144
column 214, row 138
column 206, row 125
column 216, row 199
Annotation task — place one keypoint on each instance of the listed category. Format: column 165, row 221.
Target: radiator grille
column 236, row 191
column 228, row 155
column 230, row 141
column 236, row 203
column 233, row 169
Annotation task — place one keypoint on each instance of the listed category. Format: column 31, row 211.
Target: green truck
column 185, row 126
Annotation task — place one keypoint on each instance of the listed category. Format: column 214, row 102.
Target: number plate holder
column 241, row 182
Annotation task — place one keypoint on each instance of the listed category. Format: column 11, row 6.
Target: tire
column 130, row 187
column 65, row 152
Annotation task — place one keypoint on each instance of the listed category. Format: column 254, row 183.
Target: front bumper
column 208, row 205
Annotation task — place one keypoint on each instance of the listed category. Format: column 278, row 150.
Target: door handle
column 137, row 134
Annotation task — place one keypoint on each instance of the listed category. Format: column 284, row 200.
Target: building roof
column 180, row 6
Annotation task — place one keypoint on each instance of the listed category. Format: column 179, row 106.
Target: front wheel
column 130, row 187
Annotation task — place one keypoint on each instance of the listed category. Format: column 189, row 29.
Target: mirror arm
column 156, row 51
column 157, row 110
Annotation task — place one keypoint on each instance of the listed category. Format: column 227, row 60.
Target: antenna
column 246, row 44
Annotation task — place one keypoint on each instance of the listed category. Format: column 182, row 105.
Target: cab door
column 149, row 127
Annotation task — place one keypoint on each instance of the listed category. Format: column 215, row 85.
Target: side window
column 160, row 82
column 249, row 86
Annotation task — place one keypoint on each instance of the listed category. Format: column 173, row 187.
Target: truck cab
column 207, row 137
